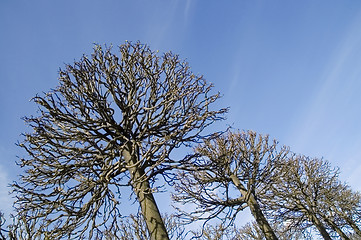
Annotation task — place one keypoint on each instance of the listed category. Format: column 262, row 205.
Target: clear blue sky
column 291, row 69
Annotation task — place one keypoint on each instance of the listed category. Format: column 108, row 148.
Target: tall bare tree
column 113, row 121
column 229, row 174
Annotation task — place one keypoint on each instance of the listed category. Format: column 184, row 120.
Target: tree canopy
column 116, row 121
column 230, row 173
column 112, row 122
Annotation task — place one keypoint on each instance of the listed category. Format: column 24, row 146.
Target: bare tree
column 134, row 227
column 339, row 205
column 307, row 193
column 344, row 205
column 231, row 173
column 251, row 231
column 112, row 122
column 130, row 227
column 20, row 228
column 3, row 230
column 217, row 231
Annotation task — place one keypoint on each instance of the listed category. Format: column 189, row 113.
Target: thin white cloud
column 351, row 172
column 353, row 178
column 334, row 76
column 175, row 14
column 187, row 11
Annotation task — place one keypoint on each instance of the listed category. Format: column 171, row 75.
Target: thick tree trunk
column 256, row 211
column 145, row 197
column 260, row 218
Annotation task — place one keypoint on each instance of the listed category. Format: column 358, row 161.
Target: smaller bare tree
column 230, row 173
column 251, row 231
column 345, row 206
column 134, row 227
column 20, row 228
column 306, row 194
column 216, row 231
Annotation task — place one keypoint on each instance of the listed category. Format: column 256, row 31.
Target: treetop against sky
column 288, row 69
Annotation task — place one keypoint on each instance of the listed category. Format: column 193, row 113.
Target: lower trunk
column 145, row 198
column 337, row 229
column 314, row 219
column 260, row 218
column 353, row 225
column 320, row 227
column 256, row 211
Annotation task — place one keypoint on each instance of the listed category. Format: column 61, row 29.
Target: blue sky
column 287, row 68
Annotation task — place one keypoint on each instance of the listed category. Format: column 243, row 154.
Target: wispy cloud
column 188, row 8
column 173, row 15
column 353, row 177
column 337, row 79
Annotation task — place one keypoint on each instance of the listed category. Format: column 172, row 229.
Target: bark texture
column 143, row 191
column 255, row 210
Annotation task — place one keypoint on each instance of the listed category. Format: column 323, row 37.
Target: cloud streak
column 339, row 84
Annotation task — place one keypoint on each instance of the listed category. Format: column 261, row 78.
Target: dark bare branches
column 112, row 122
column 252, row 231
column 231, row 173
column 308, row 193
column 135, row 227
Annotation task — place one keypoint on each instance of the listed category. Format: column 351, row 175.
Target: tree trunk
column 310, row 214
column 256, row 211
column 353, row 225
column 145, row 197
column 336, row 228
column 320, row 227
column 260, row 218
